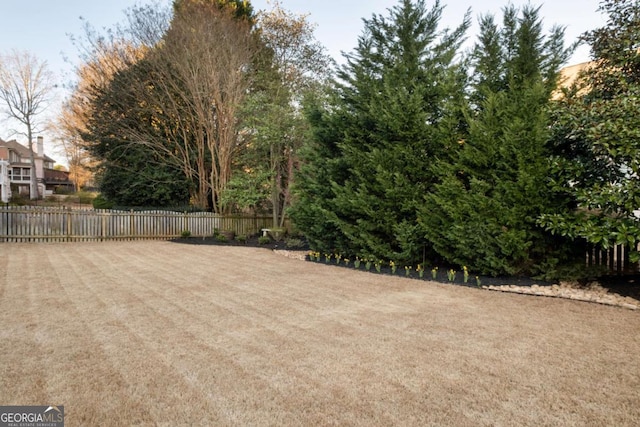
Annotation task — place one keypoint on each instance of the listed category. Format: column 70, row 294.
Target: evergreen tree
column 596, row 136
column 395, row 111
column 314, row 211
column 483, row 212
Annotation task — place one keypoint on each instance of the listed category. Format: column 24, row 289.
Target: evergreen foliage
column 393, row 114
column 314, row 212
column 483, row 212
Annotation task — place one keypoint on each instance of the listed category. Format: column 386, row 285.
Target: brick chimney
column 40, row 147
column 4, row 153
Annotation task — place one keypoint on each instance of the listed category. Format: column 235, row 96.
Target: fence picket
column 615, row 259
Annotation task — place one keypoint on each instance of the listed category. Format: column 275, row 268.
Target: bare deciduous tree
column 211, row 52
column 103, row 58
column 68, row 129
column 25, row 87
column 189, row 83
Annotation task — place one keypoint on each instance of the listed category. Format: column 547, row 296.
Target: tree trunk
column 33, row 181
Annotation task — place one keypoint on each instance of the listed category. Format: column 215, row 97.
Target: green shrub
column 185, row 234
column 18, row 199
column 242, row 238
column 264, row 240
column 294, row 243
column 99, row 202
column 85, row 198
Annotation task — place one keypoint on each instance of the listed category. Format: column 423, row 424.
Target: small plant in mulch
column 451, row 275
column 185, row 234
column 264, row 240
column 294, row 243
column 223, row 236
column 393, row 267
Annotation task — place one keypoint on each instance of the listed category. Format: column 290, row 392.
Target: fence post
column 7, row 217
column 103, row 226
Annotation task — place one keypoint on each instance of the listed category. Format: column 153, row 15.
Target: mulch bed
column 250, row 242
column 628, row 285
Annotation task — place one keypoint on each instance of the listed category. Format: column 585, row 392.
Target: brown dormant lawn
column 156, row 333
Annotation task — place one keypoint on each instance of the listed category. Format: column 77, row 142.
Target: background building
column 19, row 169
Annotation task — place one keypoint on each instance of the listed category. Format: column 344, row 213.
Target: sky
column 45, row 27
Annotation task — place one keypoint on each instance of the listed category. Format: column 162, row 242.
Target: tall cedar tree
column 596, row 133
column 394, row 113
column 483, row 213
column 314, row 211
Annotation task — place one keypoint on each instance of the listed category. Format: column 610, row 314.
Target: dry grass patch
column 154, row 333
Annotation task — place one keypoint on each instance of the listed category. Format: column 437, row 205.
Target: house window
column 19, row 174
column 13, row 157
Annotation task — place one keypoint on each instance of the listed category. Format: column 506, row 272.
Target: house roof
column 21, row 149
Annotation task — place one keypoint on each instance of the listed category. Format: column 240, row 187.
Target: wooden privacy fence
column 615, row 259
column 54, row 224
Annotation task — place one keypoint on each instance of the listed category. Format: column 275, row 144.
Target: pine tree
column 313, row 211
column 396, row 110
column 483, row 212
